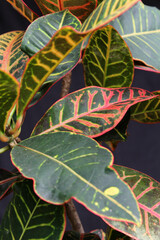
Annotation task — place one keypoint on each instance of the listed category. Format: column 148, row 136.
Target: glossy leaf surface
column 147, row 112
column 92, row 111
column 42, row 64
column 6, row 181
column 12, row 59
column 147, row 192
column 23, row 9
column 80, row 8
column 141, row 33
column 117, row 134
column 107, row 60
column 29, row 217
column 64, row 166
column 106, row 12
column 8, row 98
column 41, row 31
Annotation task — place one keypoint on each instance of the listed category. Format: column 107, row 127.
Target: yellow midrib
column 82, row 179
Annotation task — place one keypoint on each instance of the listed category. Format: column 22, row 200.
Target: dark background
column 142, row 149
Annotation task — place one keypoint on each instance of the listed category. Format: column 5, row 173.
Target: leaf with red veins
column 147, row 192
column 92, row 111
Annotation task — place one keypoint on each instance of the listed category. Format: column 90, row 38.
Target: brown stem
column 66, row 82
column 70, row 208
column 74, row 217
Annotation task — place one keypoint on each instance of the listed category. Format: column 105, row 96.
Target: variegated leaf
column 107, row 60
column 80, row 8
column 106, row 12
column 147, row 192
column 23, row 9
column 117, row 134
column 29, row 217
column 92, row 111
column 42, row 64
column 40, row 32
column 141, row 33
column 147, row 112
column 64, row 165
column 8, row 97
column 12, row 59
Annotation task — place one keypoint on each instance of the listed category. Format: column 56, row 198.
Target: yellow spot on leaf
column 105, row 209
column 112, row 191
column 96, row 204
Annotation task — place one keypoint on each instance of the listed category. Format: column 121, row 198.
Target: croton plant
column 65, row 158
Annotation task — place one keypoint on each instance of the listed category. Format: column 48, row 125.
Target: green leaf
column 147, row 192
column 8, row 98
column 66, row 165
column 29, row 217
column 141, row 33
column 92, row 111
column 40, row 32
column 100, row 233
column 107, row 60
column 115, row 235
column 106, row 12
column 117, row 134
column 80, row 8
column 7, row 179
column 71, row 235
column 42, row 64
column 12, row 59
column 147, row 112
column 23, row 9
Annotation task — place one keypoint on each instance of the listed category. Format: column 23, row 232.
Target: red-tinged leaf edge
column 147, row 69
column 106, row 130
column 12, row 2
column 14, row 178
column 3, row 136
column 48, row 86
column 74, row 198
column 105, row 219
column 20, row 117
column 111, row 19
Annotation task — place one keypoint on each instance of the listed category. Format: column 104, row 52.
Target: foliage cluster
column 65, row 158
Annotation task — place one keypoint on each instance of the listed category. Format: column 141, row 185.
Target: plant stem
column 70, row 208
column 4, row 149
column 73, row 217
column 66, row 82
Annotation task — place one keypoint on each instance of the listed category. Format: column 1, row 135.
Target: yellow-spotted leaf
column 23, row 9
column 12, row 59
column 8, row 98
column 147, row 112
column 80, row 8
column 147, row 192
column 63, row 165
column 106, row 12
column 42, row 64
column 107, row 60
column 140, row 28
column 92, row 111
column 29, row 217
